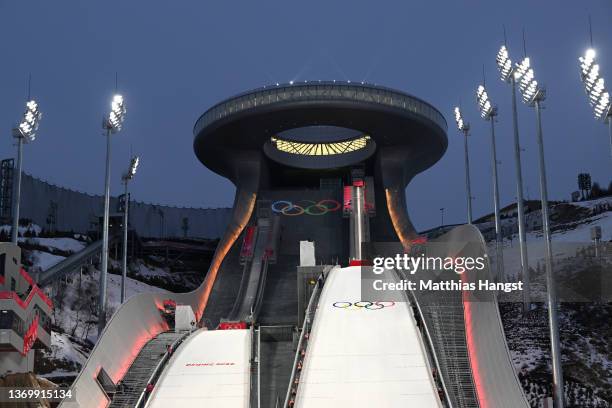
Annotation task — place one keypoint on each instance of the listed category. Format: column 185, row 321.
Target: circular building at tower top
column 320, row 125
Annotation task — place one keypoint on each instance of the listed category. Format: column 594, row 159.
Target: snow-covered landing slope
column 211, row 369
column 359, row 357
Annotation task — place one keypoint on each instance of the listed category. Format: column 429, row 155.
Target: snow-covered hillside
column 70, row 245
column 75, row 318
column 585, row 326
column 75, row 300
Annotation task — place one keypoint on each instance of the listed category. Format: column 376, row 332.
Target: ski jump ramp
column 363, row 356
column 211, row 369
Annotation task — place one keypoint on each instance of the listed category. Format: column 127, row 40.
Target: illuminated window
column 320, row 149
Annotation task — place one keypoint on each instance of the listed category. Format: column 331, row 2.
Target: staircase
column 135, row 380
column 444, row 320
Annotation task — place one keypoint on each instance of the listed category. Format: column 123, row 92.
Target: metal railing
column 302, row 343
column 255, row 371
column 260, row 290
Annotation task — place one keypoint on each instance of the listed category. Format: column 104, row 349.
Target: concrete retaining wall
column 77, row 211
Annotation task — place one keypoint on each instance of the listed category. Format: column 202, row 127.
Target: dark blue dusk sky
column 177, row 58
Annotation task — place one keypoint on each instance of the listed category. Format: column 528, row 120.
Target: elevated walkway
column 73, row 262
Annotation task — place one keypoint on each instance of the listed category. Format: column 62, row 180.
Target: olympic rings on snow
column 363, row 305
column 308, row 207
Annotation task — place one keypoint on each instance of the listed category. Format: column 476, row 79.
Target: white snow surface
column 62, row 244
column 564, row 242
column 44, row 260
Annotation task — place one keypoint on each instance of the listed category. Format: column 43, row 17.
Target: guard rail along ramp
column 296, row 369
column 248, row 300
column 359, row 356
column 72, row 263
column 466, row 330
column 211, row 368
column 141, row 318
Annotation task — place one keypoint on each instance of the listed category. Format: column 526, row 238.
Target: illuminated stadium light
column 24, row 132
column 29, row 124
column 594, row 85
column 461, row 124
column 508, row 75
column 320, row 149
column 464, row 128
column 129, row 175
column 504, row 64
column 116, row 116
column 527, row 84
column 533, row 95
column 133, row 167
column 112, row 124
column 487, row 110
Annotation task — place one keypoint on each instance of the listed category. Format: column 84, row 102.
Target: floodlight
column 133, row 167
column 594, row 85
column 504, row 64
column 112, row 123
column 116, row 115
column 508, row 75
column 464, row 128
column 533, row 95
column 461, row 124
column 24, row 132
column 527, row 84
column 29, row 124
column 486, row 108
column 126, row 204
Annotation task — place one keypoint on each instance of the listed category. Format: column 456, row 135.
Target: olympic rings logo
column 308, row 207
column 363, row 305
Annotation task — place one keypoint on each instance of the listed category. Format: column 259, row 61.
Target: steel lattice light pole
column 24, row 133
column 506, row 70
column 533, row 95
column 126, row 205
column 464, row 127
column 594, row 85
column 112, row 124
column 489, row 112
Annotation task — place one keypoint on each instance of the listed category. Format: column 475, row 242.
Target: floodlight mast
column 127, row 176
column 594, row 84
column 506, row 70
column 112, row 124
column 464, row 127
column 25, row 132
column 489, row 112
column 534, row 95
